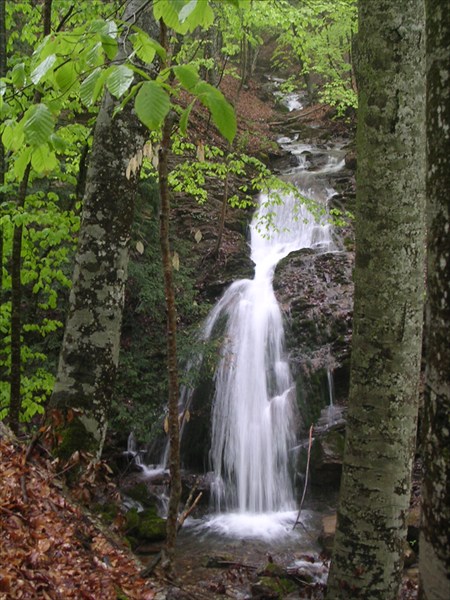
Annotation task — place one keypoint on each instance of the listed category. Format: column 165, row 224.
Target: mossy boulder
column 272, row 588
column 145, row 526
column 140, row 493
column 107, row 511
column 74, row 437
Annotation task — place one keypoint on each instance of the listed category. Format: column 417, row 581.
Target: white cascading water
column 254, row 414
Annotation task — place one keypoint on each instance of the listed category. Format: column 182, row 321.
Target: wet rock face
column 315, row 292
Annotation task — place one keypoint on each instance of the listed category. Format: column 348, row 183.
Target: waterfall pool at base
column 267, row 526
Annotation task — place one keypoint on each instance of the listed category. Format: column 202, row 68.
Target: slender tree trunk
column 389, row 272
column 15, row 401
column 3, row 67
column 172, row 359
column 174, row 428
column 223, row 212
column 90, row 349
column 16, row 311
column 434, row 545
column 3, row 57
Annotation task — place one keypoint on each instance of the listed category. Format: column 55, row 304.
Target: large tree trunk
column 90, row 350
column 434, row 545
column 389, row 273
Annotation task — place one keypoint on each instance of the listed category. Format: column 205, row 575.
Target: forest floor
column 52, row 547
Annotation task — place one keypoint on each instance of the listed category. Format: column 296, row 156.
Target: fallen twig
column 23, row 486
column 297, row 521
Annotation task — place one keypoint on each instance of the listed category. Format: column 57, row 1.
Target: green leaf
column 43, row 160
column 109, row 45
column 8, row 135
column 152, row 104
column 18, row 75
column 111, row 29
column 66, row 76
column 21, row 162
column 42, row 69
column 38, row 124
column 118, row 80
column 57, row 143
column 94, row 56
column 146, row 47
column 97, row 26
column 222, row 112
column 168, row 11
column 185, row 117
column 187, row 10
column 91, row 87
column 187, row 76
column 201, row 16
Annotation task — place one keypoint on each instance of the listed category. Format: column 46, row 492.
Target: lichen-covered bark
column 90, row 350
column 386, row 345
column 434, row 545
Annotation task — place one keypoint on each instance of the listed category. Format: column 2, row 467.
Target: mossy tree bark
column 90, row 349
column 434, row 545
column 389, row 272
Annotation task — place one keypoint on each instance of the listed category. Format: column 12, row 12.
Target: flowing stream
column 254, row 417
column 254, row 414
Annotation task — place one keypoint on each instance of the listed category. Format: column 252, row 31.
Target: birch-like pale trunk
column 387, row 333
column 434, row 544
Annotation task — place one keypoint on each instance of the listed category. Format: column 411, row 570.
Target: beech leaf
column 119, row 80
column 38, row 73
column 38, row 124
column 152, row 104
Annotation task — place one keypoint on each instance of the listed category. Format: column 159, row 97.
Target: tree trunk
column 172, row 358
column 172, row 366
column 2, row 149
column 90, row 349
column 16, row 311
column 389, row 272
column 15, row 401
column 434, row 545
column 3, row 66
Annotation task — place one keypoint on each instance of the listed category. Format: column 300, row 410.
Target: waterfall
column 254, row 411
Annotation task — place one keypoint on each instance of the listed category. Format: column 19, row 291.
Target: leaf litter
column 49, row 547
